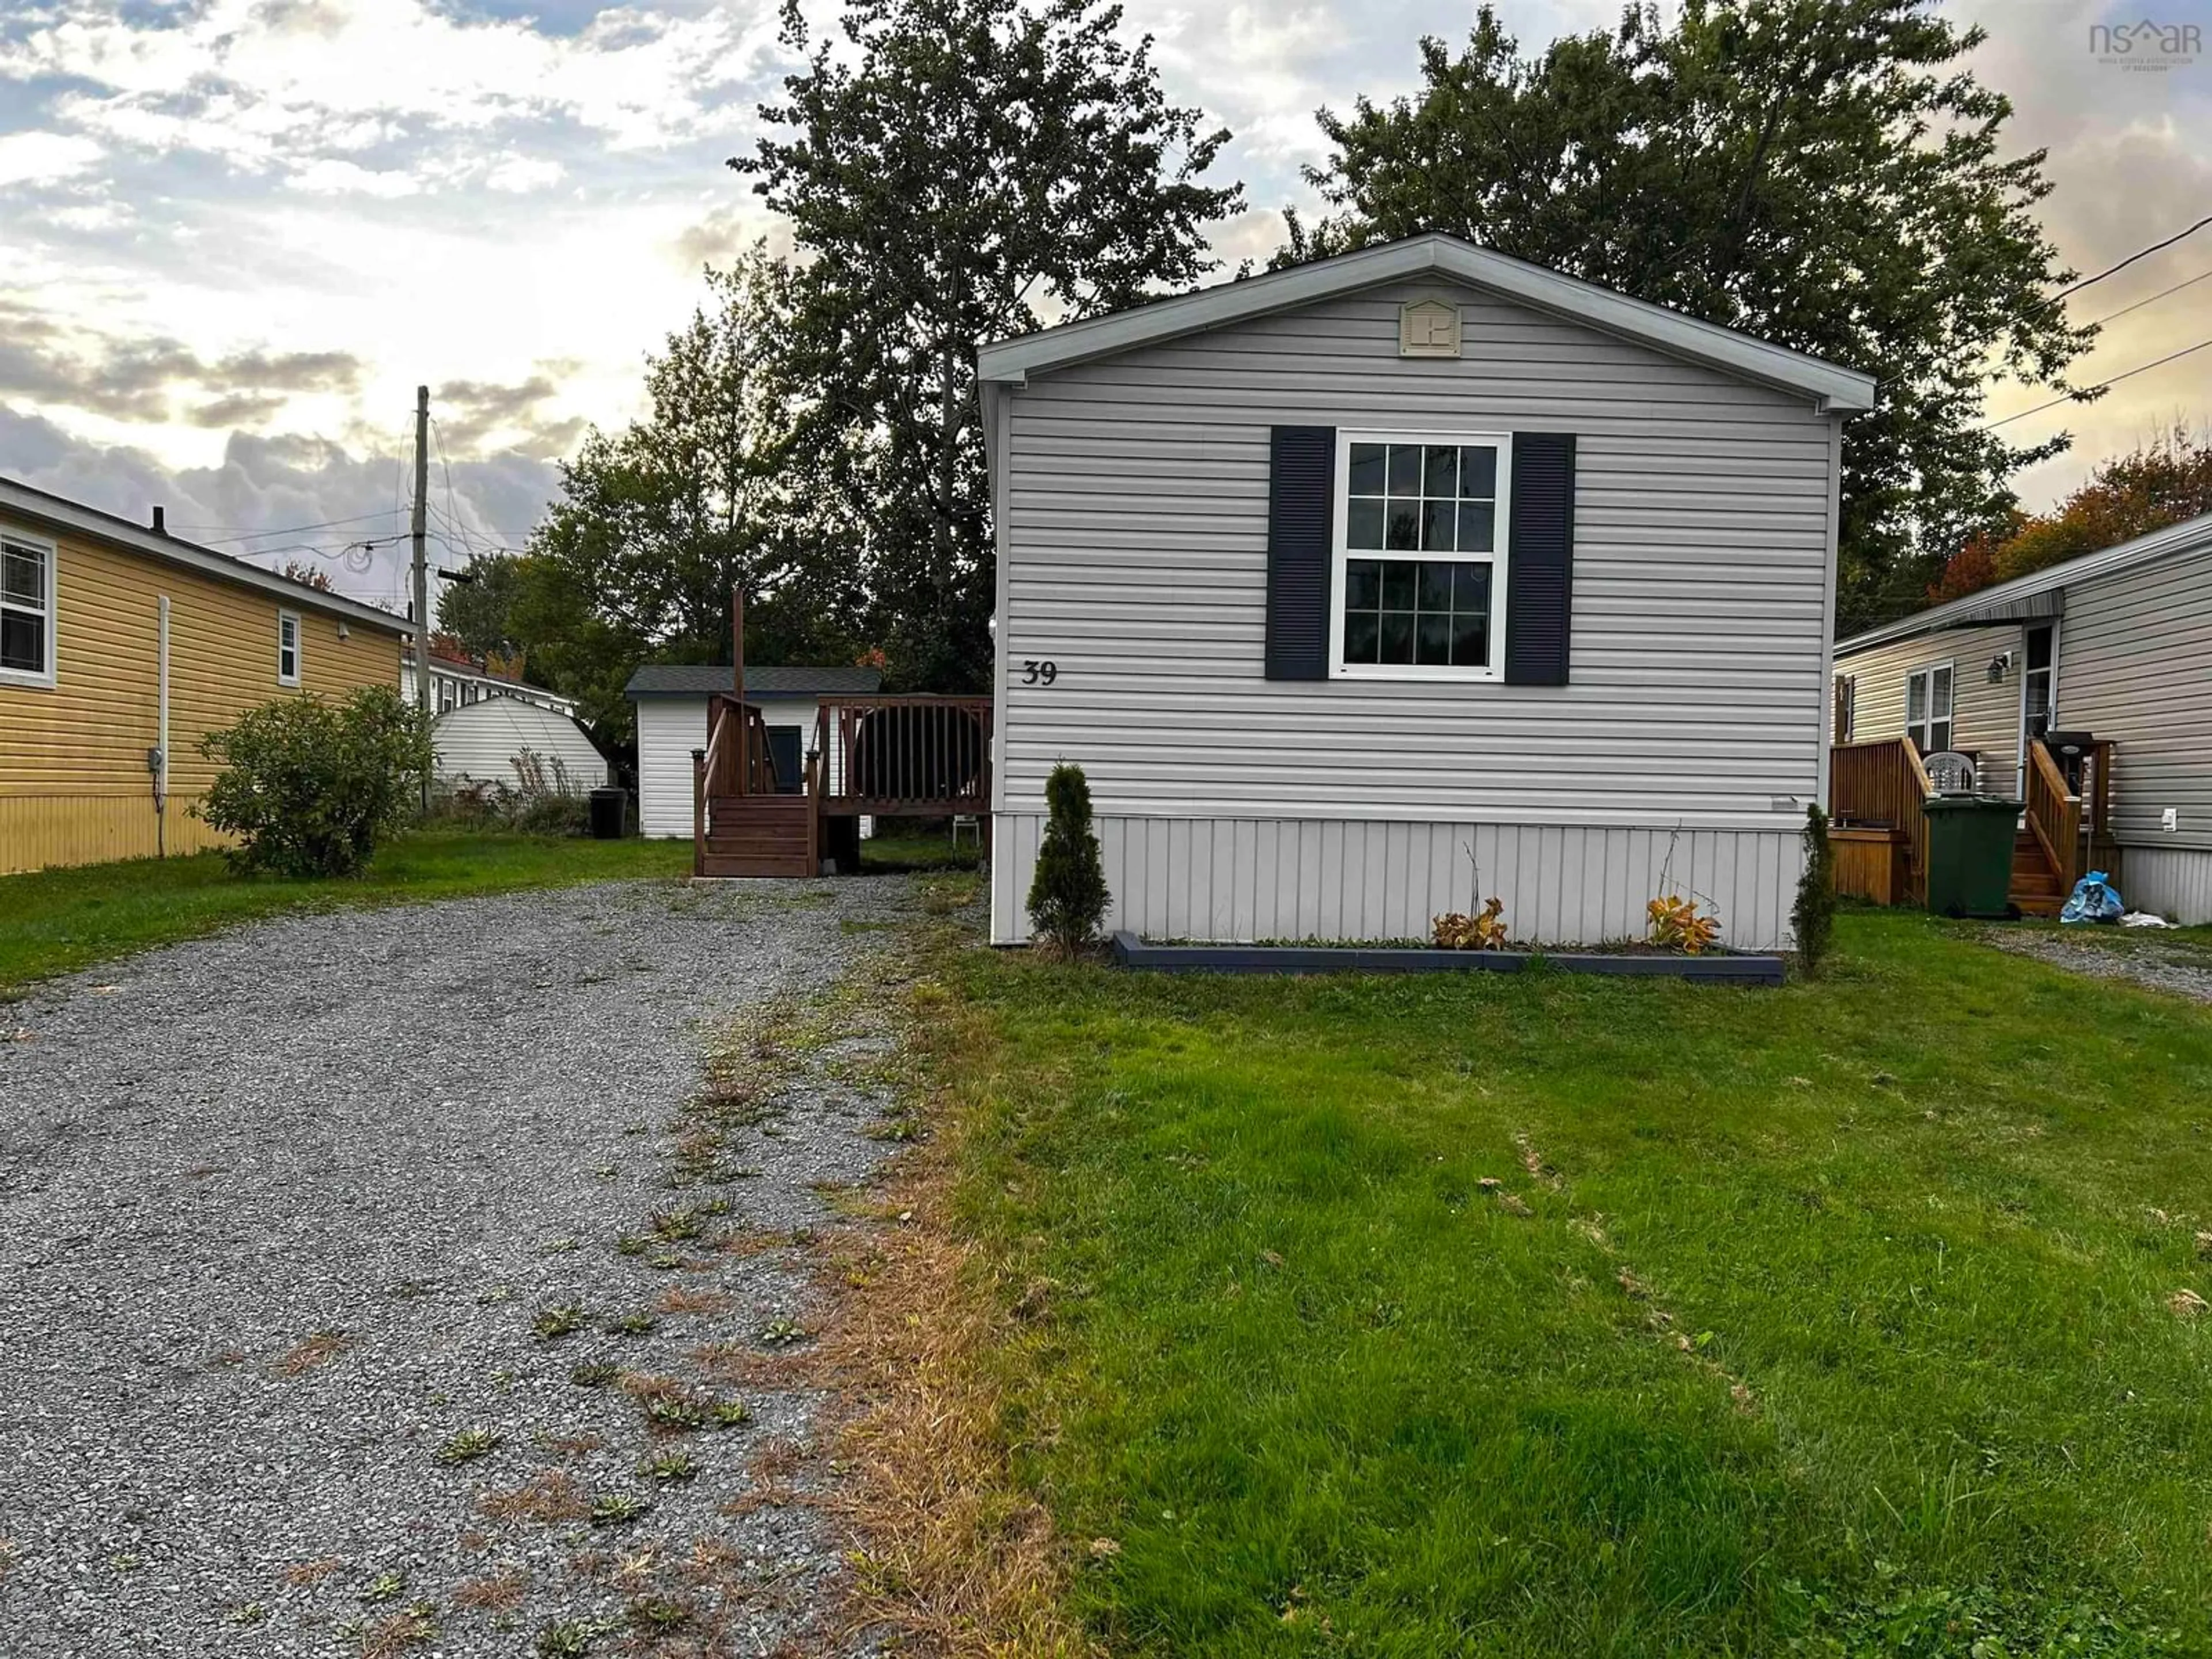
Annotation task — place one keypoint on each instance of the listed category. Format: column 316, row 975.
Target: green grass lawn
column 1830, row 1320
column 905, row 851
column 52, row 921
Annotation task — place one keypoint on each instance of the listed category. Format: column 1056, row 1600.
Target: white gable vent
column 1428, row 328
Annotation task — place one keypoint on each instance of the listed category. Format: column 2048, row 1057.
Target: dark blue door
column 783, row 749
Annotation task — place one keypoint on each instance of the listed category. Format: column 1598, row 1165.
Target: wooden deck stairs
column 2035, row 890
column 759, row 835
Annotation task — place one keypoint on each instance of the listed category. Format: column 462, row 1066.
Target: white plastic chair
column 1949, row 773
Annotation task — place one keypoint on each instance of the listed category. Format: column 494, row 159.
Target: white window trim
column 299, row 644
column 1950, row 716
column 1847, row 707
column 2053, row 624
column 1339, row 556
column 45, row 678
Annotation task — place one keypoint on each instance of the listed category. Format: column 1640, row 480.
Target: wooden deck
column 1876, row 791
column 876, row 756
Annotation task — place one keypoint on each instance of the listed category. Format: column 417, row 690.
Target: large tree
column 2157, row 483
column 708, row 491
column 1825, row 173
column 957, row 171
column 478, row 610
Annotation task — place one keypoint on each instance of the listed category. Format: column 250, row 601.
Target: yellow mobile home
column 120, row 648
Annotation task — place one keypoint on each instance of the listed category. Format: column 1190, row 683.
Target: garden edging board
column 1719, row 967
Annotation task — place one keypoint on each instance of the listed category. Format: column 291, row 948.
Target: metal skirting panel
column 2167, row 881
column 40, row 831
column 1245, row 879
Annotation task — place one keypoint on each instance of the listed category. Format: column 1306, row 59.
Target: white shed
column 481, row 743
column 672, row 722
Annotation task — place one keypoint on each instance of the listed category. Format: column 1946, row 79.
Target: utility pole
column 418, row 534
column 737, row 659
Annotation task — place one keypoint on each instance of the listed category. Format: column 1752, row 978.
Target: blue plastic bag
column 2094, row 899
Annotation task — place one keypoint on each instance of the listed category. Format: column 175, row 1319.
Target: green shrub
column 309, row 786
column 1814, row 918
column 1067, row 894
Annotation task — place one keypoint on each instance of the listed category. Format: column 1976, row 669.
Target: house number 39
column 1035, row 673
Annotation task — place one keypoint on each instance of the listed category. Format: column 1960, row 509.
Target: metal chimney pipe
column 161, row 527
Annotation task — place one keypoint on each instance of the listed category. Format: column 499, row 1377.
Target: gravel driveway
column 391, row 1282
column 2180, row 967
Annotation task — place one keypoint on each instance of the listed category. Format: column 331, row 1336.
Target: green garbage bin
column 1970, row 840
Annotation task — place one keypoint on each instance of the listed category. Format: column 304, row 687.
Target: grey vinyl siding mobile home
column 1133, row 523
column 2134, row 665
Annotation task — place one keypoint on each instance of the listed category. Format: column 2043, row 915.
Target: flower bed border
column 1721, row 967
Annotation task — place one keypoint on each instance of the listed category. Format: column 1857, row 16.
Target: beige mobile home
column 2111, row 655
column 1360, row 588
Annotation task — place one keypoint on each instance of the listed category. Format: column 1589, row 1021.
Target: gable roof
column 57, row 512
column 2018, row 598
column 705, row 679
column 1833, row 388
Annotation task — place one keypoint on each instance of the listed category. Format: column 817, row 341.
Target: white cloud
column 245, row 81
column 453, row 199
column 90, row 216
column 41, row 158
column 329, row 177
column 520, row 174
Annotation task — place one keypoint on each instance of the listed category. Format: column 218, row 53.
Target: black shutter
column 1540, row 559
column 1300, row 504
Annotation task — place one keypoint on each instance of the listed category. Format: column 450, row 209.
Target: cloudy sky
column 237, row 233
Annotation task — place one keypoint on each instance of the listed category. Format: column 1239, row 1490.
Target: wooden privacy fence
column 1882, row 785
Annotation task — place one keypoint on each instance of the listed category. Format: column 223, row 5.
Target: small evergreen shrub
column 1813, row 916
column 1067, row 894
column 309, row 786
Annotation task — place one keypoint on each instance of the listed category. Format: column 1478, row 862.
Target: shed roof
column 1835, row 388
column 59, row 513
column 2024, row 597
column 704, row 680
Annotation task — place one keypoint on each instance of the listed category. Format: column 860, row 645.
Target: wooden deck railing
column 2054, row 816
column 1883, row 783
column 911, row 756
column 738, row 759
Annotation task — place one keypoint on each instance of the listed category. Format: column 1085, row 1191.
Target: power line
column 282, row 529
column 451, row 514
column 2153, row 299
column 2076, row 397
column 2140, row 253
